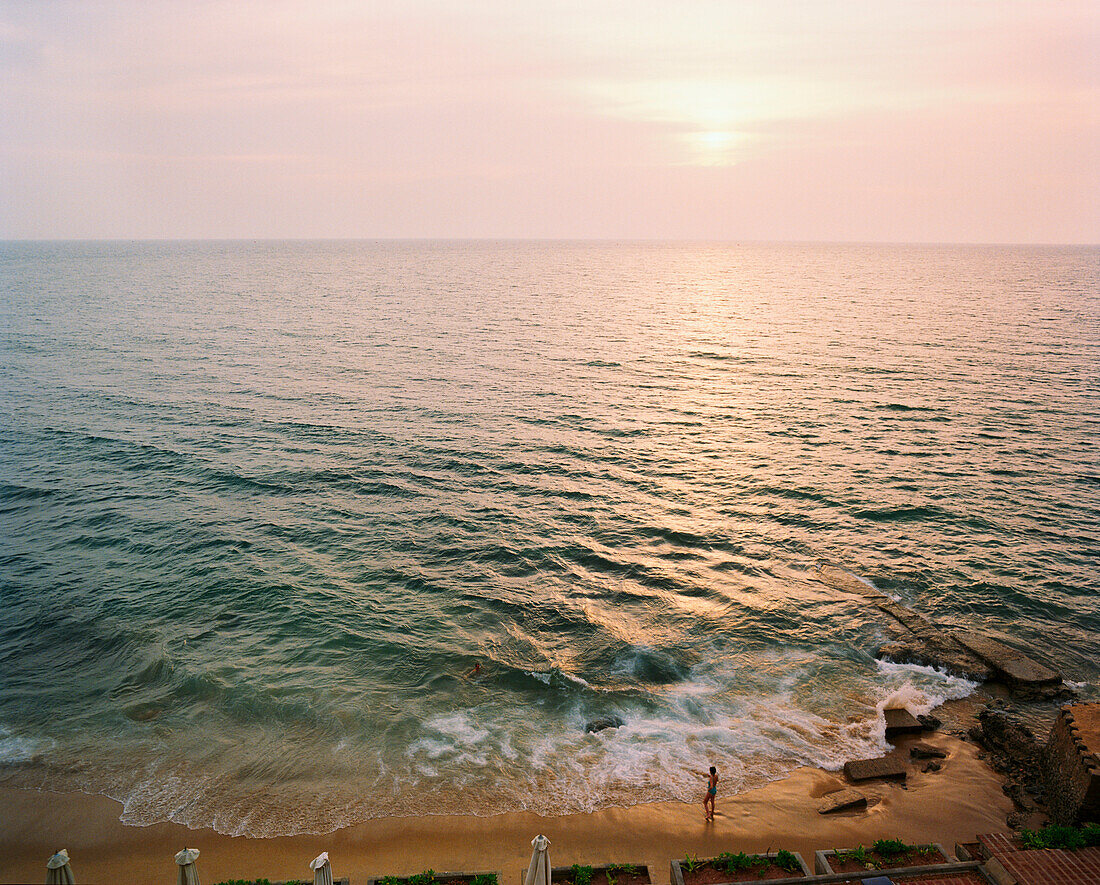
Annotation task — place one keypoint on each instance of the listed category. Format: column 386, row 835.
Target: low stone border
column 343, row 881
column 442, row 877
column 822, row 865
column 831, row 878
column 969, row 851
column 676, row 872
column 642, row 870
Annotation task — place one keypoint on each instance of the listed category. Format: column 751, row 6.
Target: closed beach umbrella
column 58, row 871
column 322, row 869
column 539, row 871
column 188, row 872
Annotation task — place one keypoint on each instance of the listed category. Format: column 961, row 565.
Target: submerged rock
column 602, row 722
column 1010, row 664
column 144, row 712
column 931, row 652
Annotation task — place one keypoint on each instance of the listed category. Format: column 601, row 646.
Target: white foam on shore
column 756, row 719
column 454, row 740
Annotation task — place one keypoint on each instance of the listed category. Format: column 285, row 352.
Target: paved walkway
column 1050, row 866
column 941, row 879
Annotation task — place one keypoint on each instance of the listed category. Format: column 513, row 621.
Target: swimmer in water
column 712, row 791
column 474, row 673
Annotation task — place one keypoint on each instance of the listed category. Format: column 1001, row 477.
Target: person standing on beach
column 712, row 791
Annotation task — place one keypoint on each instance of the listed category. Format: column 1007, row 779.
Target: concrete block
column 867, row 769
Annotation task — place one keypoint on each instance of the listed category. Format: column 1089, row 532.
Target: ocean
column 266, row 504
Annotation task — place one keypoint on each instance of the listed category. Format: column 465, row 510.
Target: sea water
column 265, row 504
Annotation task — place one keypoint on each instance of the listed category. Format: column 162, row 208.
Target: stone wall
column 1071, row 769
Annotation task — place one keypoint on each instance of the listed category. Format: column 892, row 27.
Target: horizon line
column 650, row 240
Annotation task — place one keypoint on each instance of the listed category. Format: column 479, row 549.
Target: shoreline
column 956, row 803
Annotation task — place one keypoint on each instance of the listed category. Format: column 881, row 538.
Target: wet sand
column 963, row 799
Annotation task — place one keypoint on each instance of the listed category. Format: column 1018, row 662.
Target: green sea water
column 265, row 504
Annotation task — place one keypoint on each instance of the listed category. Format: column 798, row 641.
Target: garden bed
column 735, row 869
column 431, row 877
column 885, row 854
column 608, row 874
column 343, row 881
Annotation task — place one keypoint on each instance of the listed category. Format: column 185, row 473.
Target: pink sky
column 926, row 121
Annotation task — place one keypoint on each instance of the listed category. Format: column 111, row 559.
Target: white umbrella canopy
column 58, row 871
column 322, row 869
column 538, row 873
column 188, row 872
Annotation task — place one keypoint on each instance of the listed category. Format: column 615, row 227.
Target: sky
column 891, row 121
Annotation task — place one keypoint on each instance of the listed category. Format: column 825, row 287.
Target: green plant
column 1054, row 836
column 692, row 863
column 582, row 875
column 786, row 860
column 859, row 854
column 732, row 863
column 485, row 879
column 249, row 882
column 425, row 878
column 619, row 869
column 389, row 880
column 1030, row 840
column 890, row 847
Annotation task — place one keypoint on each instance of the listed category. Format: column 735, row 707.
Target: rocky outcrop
column 1026, row 677
column 1015, row 753
column 917, row 640
column 914, row 650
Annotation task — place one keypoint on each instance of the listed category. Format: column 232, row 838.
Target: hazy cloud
column 908, row 121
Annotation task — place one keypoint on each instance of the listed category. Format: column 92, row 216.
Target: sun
column 713, row 147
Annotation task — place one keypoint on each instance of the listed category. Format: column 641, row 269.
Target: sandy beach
column 962, row 799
